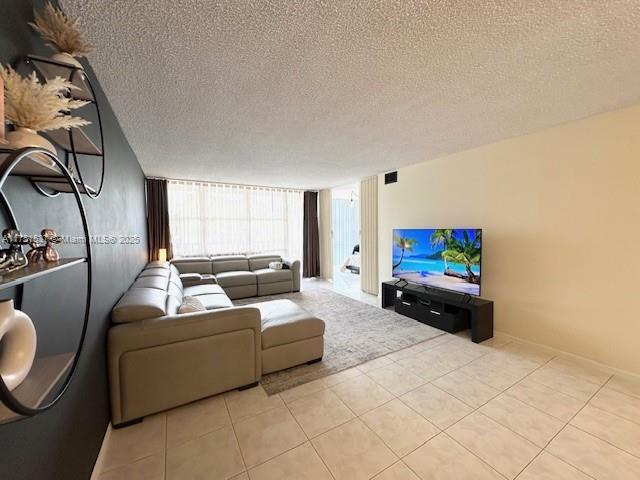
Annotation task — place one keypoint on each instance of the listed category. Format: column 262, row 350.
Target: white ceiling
column 311, row 94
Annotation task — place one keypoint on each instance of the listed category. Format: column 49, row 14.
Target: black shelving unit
column 74, row 142
column 32, row 396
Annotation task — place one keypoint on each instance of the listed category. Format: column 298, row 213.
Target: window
column 220, row 219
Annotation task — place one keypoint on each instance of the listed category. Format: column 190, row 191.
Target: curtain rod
column 225, row 183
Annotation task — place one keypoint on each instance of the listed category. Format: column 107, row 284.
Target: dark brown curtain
column 158, row 217
column 311, row 239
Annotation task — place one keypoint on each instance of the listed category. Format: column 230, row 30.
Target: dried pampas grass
column 41, row 107
column 63, row 32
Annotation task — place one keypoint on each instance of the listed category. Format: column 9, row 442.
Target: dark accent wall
column 63, row 443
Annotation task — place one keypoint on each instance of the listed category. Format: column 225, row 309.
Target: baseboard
column 590, row 361
column 97, row 467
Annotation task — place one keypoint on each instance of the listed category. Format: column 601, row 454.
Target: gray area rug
column 355, row 333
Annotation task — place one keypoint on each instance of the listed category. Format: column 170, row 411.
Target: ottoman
column 290, row 335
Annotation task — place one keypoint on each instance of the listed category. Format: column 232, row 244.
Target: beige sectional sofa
column 242, row 276
column 159, row 359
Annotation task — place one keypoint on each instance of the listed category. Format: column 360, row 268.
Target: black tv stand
column 463, row 297
column 451, row 312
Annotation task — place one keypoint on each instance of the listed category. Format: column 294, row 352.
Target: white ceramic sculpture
column 18, row 340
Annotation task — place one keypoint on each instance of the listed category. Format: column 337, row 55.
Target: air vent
column 391, row 177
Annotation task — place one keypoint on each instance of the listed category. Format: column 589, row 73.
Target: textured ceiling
column 312, row 94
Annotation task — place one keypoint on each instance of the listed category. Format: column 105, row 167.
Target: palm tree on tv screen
column 442, row 237
column 467, row 252
column 404, row 243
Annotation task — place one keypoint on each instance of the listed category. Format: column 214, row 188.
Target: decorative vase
column 17, row 344
column 23, row 137
column 63, row 57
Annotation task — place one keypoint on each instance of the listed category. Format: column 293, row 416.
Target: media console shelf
column 450, row 312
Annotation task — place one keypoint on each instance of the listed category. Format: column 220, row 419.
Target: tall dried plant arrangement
column 39, row 106
column 61, row 31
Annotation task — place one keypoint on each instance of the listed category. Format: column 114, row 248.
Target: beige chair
column 159, row 359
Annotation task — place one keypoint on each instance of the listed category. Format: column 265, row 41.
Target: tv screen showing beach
column 441, row 258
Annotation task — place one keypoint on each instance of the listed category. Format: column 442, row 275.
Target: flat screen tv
column 442, row 258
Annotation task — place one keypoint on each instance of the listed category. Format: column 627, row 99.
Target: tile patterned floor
column 446, row 409
column 497, row 410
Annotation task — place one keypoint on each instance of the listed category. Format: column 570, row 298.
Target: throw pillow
column 190, row 305
column 275, row 265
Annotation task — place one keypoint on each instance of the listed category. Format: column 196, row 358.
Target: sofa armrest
column 177, row 328
column 294, row 266
column 191, row 279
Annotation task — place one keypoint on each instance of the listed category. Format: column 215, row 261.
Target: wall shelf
column 49, row 176
column 82, row 144
column 76, row 143
column 33, row 166
column 45, row 374
column 35, row 270
column 49, row 376
column 60, row 185
column 50, row 69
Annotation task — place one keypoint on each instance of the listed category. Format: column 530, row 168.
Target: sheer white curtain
column 218, row 219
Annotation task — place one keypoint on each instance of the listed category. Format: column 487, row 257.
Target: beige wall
column 560, row 211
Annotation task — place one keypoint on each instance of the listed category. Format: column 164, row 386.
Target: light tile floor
column 446, row 409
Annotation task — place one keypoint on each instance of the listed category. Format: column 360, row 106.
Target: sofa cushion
column 243, row 291
column 173, row 304
column 159, row 283
column 192, row 265
column 139, row 304
column 285, row 322
column 155, row 272
column 191, row 305
column 203, row 290
column 214, row 301
column 175, row 279
column 269, row 275
column 275, row 288
column 236, row 279
column 175, row 291
column 230, row 263
column 257, row 262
